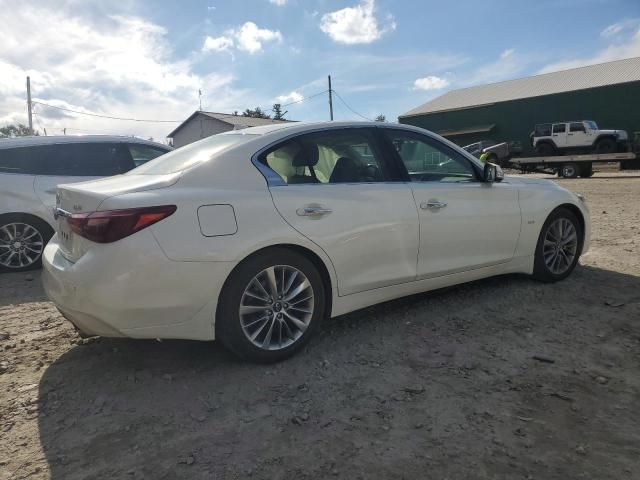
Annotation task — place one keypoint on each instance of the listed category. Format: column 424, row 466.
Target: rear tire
column 545, row 150
column 569, row 170
column 22, row 241
column 559, row 246
column 605, row 145
column 260, row 316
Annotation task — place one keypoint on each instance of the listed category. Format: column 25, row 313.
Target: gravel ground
column 502, row 378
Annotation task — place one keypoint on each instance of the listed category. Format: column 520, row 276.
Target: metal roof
column 581, row 78
column 56, row 139
column 235, row 120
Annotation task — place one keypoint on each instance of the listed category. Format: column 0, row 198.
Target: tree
column 278, row 114
column 19, row 130
column 256, row 113
column 381, row 118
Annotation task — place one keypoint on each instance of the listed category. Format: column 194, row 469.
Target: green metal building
column 608, row 93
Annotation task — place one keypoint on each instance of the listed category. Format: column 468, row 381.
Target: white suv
column 30, row 170
column 577, row 136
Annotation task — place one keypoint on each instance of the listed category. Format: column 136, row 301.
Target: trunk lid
column 86, row 197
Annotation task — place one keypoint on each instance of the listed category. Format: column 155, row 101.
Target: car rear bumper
column 131, row 289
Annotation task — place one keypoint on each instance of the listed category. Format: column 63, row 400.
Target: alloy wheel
column 21, row 245
column 560, row 246
column 276, row 307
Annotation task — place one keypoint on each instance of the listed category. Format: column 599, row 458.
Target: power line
column 112, row 117
column 105, row 116
column 352, row 110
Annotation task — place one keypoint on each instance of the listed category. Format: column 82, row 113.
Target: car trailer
column 568, row 166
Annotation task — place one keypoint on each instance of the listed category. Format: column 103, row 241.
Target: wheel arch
column 606, row 136
column 312, row 256
column 579, row 215
column 28, row 216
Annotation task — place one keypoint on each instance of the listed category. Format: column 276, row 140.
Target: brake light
column 112, row 225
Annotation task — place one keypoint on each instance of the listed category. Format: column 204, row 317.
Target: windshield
column 190, row 155
column 591, row 124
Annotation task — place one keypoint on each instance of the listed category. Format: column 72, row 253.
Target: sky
column 148, row 60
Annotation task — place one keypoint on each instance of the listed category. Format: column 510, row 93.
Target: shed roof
column 581, row 78
column 235, row 120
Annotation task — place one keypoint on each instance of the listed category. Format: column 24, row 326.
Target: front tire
column 605, row 145
column 22, row 241
column 559, row 246
column 271, row 306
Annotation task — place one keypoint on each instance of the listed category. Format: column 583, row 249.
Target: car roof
column 302, row 127
column 34, row 140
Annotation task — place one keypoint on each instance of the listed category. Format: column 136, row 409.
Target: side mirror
column 492, row 173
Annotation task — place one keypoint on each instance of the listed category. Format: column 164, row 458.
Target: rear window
column 191, row 155
column 143, row 153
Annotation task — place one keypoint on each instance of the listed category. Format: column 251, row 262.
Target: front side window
column 576, row 127
column 333, row 156
column 84, row 159
column 560, row 128
column 428, row 160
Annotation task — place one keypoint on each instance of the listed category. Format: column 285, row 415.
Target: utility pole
column 330, row 100
column 200, row 98
column 29, row 106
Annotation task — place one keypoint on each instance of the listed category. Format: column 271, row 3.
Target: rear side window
column 68, row 160
column 559, row 128
column 333, row 156
column 20, row 160
column 143, row 153
column 543, row 130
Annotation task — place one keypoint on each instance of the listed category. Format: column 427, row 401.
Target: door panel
column 464, row 223
column 476, row 225
column 369, row 230
column 559, row 134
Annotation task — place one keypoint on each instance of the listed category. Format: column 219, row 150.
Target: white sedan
column 254, row 236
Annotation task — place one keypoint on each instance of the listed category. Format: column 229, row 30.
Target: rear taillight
column 112, row 225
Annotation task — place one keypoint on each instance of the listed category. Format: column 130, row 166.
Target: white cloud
column 290, row 97
column 353, row 25
column 217, row 44
column 612, row 30
column 248, row 37
column 430, row 82
column 619, row 48
column 118, row 65
column 279, row 3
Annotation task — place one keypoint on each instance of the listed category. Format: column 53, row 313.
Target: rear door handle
column 313, row 211
column 432, row 205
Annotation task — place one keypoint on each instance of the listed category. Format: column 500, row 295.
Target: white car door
column 337, row 191
column 77, row 162
column 559, row 134
column 577, row 135
column 464, row 223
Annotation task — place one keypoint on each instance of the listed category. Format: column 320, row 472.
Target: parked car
column 498, row 153
column 30, row 170
column 584, row 136
column 254, row 236
column 476, row 149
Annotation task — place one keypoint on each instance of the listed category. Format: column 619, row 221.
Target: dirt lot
column 440, row 385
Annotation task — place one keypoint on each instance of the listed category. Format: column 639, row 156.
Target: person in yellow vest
column 483, row 157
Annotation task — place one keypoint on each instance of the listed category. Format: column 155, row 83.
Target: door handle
column 432, row 205
column 313, row 211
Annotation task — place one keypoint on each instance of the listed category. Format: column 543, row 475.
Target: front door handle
column 432, row 205
column 313, row 211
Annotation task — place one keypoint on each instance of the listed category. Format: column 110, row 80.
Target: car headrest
column 307, row 156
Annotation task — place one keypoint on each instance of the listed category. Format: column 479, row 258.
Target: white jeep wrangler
column 550, row 139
